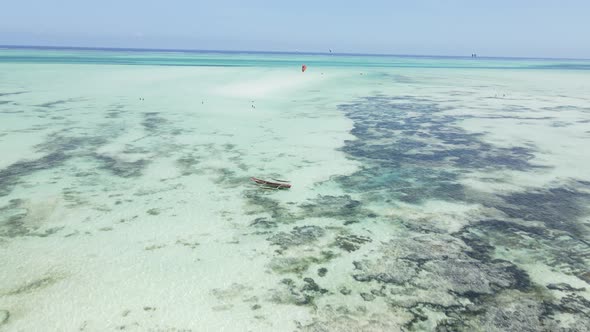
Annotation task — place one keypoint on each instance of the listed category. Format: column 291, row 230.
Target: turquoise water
column 253, row 59
column 429, row 193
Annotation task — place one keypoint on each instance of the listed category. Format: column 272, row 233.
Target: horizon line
column 172, row 50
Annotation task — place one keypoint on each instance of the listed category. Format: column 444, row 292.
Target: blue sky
column 445, row 27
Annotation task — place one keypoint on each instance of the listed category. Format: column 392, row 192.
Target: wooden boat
column 271, row 184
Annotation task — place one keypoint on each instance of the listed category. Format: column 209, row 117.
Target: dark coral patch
column 408, row 145
column 557, row 208
column 121, row 168
column 13, row 174
column 300, row 235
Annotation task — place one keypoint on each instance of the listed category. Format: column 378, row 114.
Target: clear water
column 428, row 193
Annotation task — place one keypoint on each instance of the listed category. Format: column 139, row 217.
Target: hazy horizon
column 262, row 51
column 542, row 29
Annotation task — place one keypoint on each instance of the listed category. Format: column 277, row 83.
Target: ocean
column 428, row 193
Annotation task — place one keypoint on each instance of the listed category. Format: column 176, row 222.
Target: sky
column 527, row 28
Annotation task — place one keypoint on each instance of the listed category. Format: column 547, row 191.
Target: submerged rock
column 345, row 291
column 385, row 271
column 153, row 211
column 298, row 236
column 333, row 207
column 27, row 218
column 585, row 276
column 522, row 315
column 258, row 202
column 367, row 296
column 562, row 286
column 264, row 223
column 558, row 208
column 346, row 319
column 573, row 304
column 351, row 242
column 121, row 168
column 310, row 285
column 298, row 265
column 290, row 292
column 4, row 316
column 15, row 173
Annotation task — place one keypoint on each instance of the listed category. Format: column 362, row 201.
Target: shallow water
column 428, row 193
